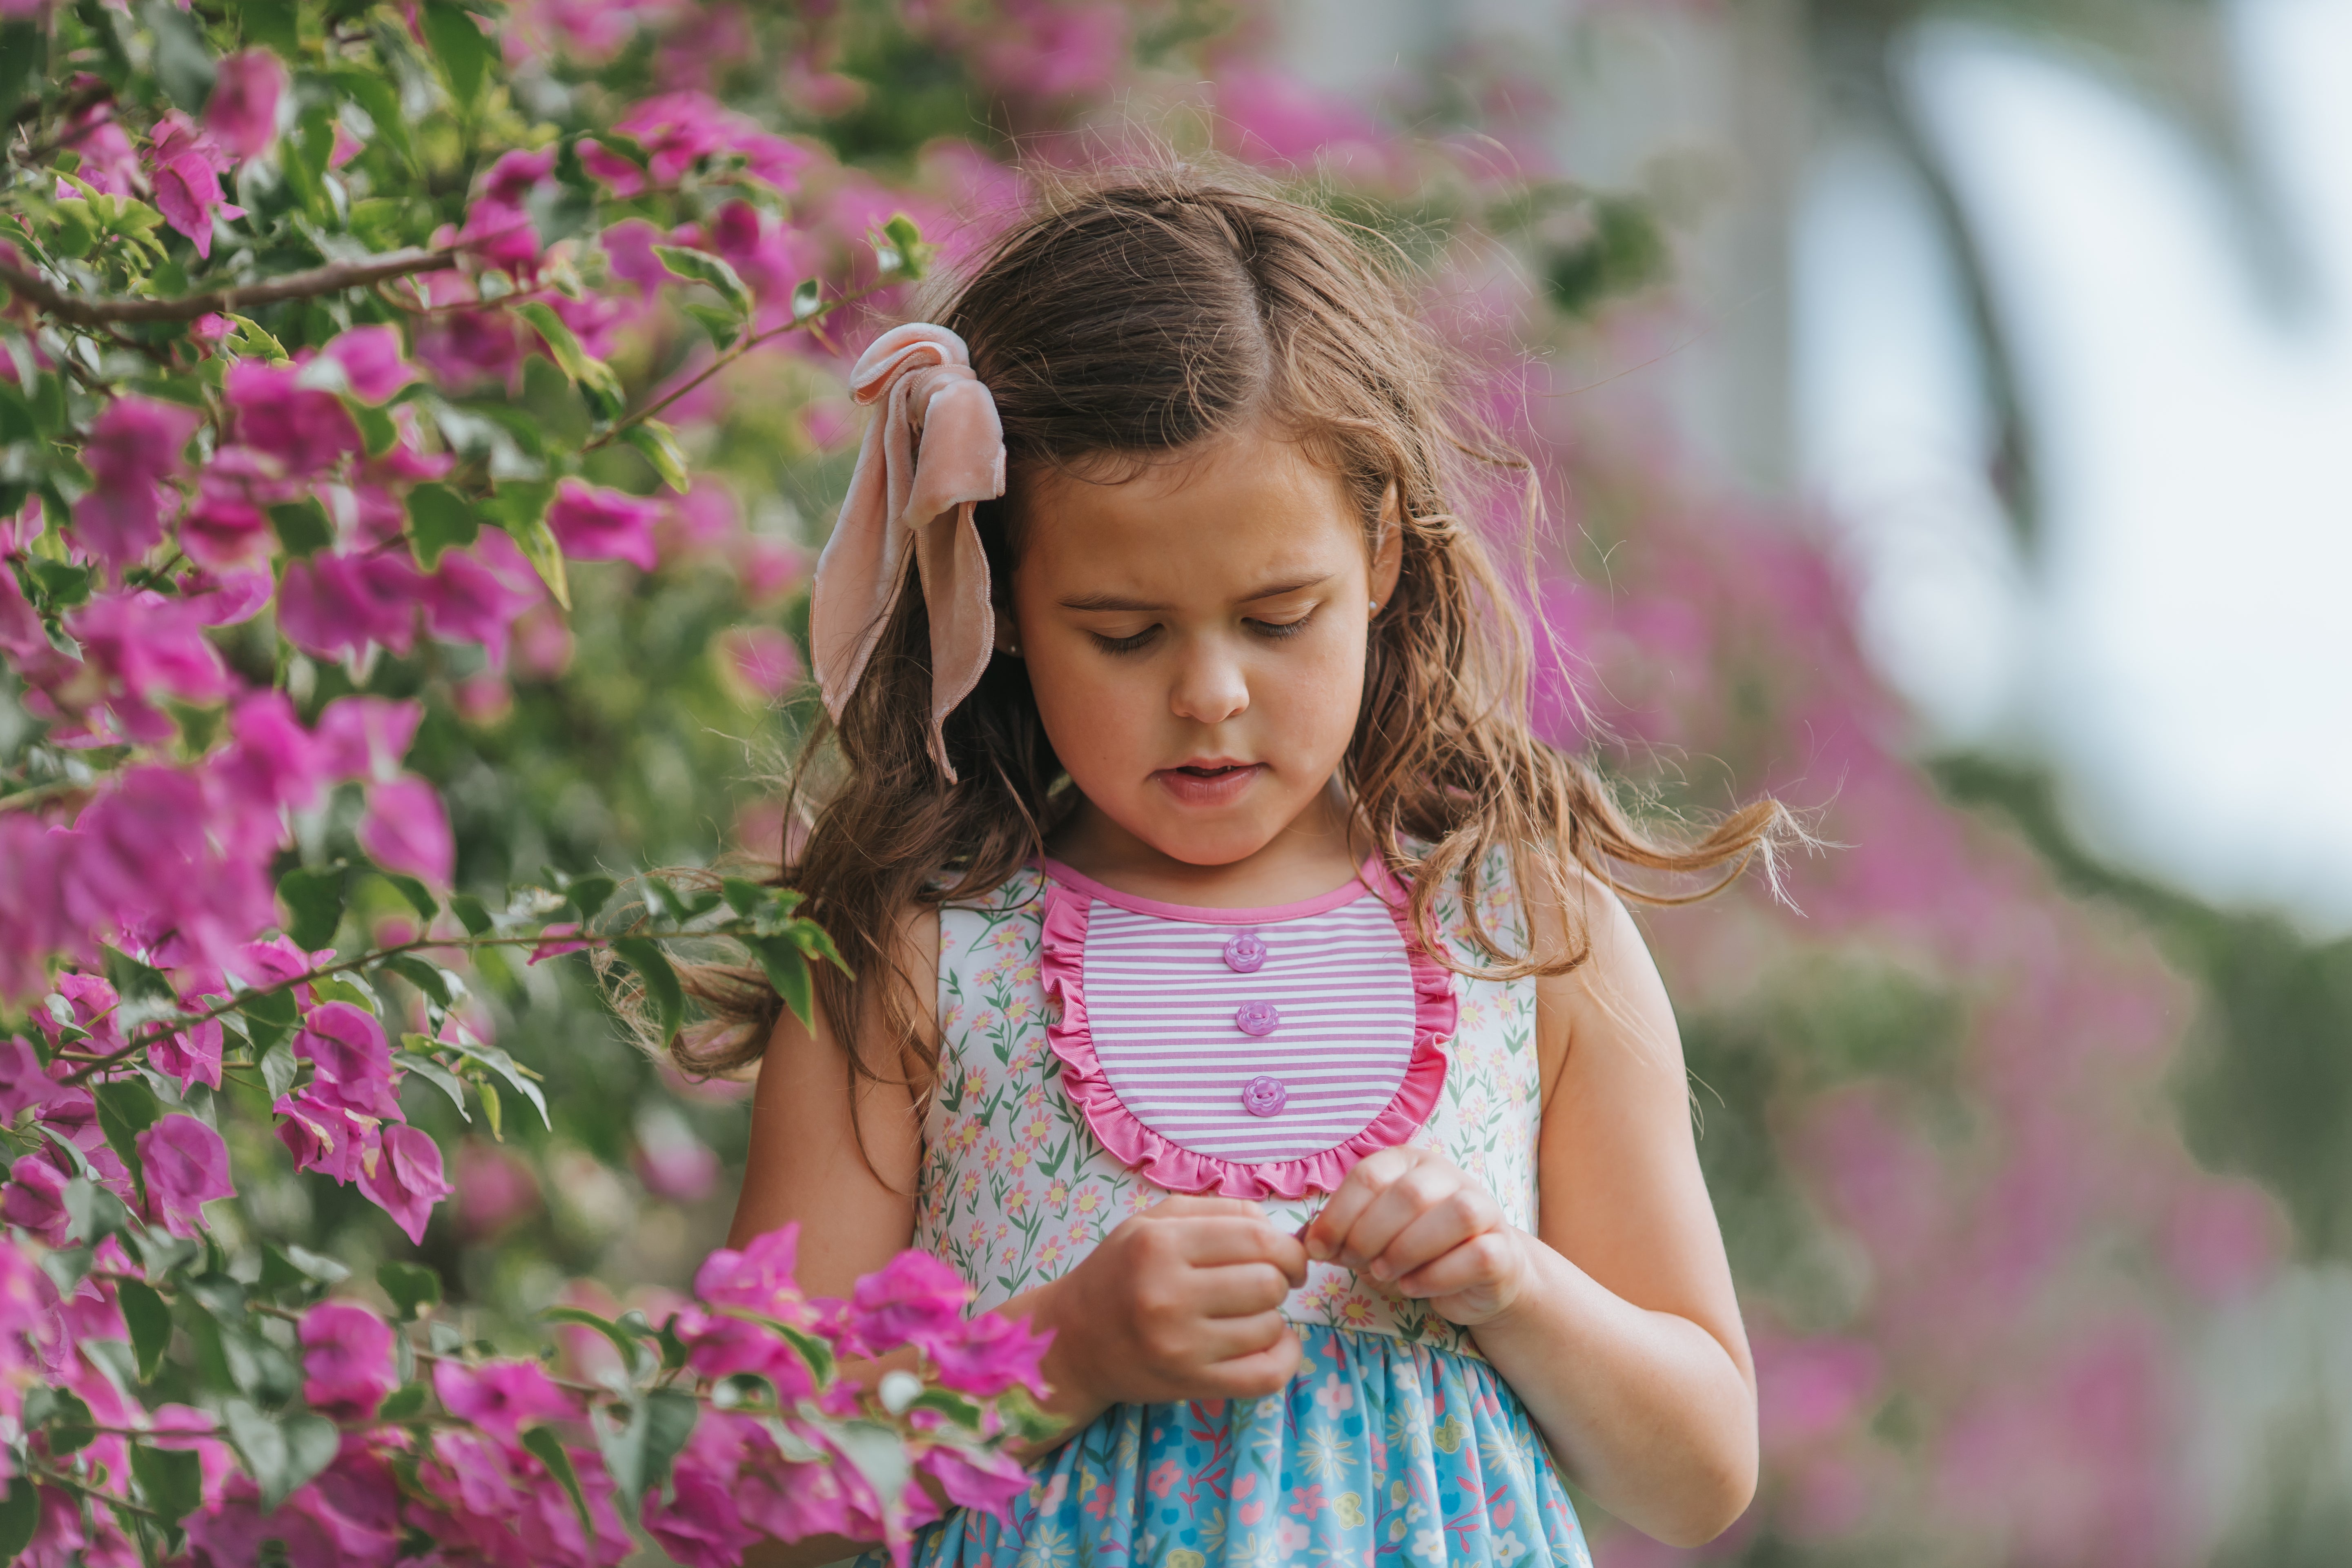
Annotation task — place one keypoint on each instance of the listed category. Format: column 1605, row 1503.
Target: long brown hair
column 1125, row 320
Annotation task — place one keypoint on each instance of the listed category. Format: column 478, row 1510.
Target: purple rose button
column 1244, row 952
column 1257, row 1017
column 1264, row 1096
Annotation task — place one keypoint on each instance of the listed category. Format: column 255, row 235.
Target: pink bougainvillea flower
column 333, row 605
column 406, row 829
column 762, row 659
column 466, row 601
column 190, row 1053
column 500, row 1396
column 242, row 112
column 593, row 523
column 143, row 646
column 225, row 531
column 1053, row 50
column 678, row 1169
column 24, row 1082
column 495, row 1188
column 187, row 1167
column 187, row 1428
column 306, row 429
column 366, row 737
column 760, row 1276
column 133, row 447
column 518, row 174
column 990, row 1354
column 109, row 162
column 372, row 360
column 325, row 1138
column 555, row 941
column 622, row 176
column 34, row 1199
column 271, row 758
column 502, row 236
column 353, row 1057
column 346, row 147
column 223, row 598
column 699, row 1525
column 346, row 1359
column 972, row 1478
column 914, row 1299
column 184, row 166
column 678, row 130
column 406, row 1181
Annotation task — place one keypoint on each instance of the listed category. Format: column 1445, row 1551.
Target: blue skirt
column 1378, row 1452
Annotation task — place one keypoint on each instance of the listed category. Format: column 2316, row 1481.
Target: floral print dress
column 1058, row 1115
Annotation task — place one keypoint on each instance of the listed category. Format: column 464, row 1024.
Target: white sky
column 2182, row 649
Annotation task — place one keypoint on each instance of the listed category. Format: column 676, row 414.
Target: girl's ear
column 1388, row 556
column 1008, row 636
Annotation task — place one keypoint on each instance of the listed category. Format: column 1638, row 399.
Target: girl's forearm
column 1647, row 1410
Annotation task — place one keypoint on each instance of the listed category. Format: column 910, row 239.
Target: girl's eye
column 1123, row 644
column 1275, row 630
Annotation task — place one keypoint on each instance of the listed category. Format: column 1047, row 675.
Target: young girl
column 1240, row 989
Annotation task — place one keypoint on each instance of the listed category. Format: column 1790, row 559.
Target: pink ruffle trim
column 1180, row 1170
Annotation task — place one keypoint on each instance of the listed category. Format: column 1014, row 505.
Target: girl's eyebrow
column 1113, row 601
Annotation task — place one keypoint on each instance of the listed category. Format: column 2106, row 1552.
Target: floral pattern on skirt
column 1380, row 1451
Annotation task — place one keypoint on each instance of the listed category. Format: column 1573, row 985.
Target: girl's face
column 1195, row 637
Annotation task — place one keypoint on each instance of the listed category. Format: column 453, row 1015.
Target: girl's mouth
column 1216, row 784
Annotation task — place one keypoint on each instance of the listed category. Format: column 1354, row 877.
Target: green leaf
column 589, row 895
column 639, row 1454
column 661, row 989
column 808, row 299
column 183, row 61
column 126, row 1109
column 314, row 901
column 420, row 898
column 440, row 518
column 20, row 1505
column 299, row 1272
column 471, row 914
column 635, row 1355
column 338, row 988
column 15, row 415
column 401, row 1403
column 593, row 376
column 440, row 1078
column 149, row 1321
column 519, row 507
column 458, row 44
column 900, row 249
column 701, row 267
column 173, row 1479
column 543, row 1443
column 499, row 1062
column 70, row 1428
column 271, row 23
column 493, row 1112
column 659, row 445
column 878, row 1452
column 301, row 526
column 964, row 1412
column 279, row 1066
column 270, row 1017
column 377, row 432
column 23, row 60
column 744, row 896
column 421, row 974
column 281, row 1456
column 146, row 995
column 787, row 970
column 414, row 1288
column 721, row 325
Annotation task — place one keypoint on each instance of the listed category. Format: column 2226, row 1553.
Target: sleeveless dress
column 1101, row 1051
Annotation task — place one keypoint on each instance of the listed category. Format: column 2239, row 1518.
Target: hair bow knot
column 933, row 451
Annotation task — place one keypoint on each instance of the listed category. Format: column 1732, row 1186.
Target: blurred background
column 1939, row 407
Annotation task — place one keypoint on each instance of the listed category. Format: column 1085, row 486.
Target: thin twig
column 236, row 298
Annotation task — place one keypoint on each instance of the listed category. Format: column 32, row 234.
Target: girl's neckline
column 1346, row 892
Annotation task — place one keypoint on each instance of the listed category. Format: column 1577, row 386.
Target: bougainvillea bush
column 306, row 389
column 416, row 423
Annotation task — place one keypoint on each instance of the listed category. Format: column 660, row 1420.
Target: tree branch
column 238, row 297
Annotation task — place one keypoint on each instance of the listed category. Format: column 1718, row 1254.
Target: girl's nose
column 1210, row 688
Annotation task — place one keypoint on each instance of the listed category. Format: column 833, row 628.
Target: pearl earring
column 1375, row 604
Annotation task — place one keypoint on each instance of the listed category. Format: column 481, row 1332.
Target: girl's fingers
column 1482, row 1261
column 1417, row 1191
column 1223, row 1340
column 1435, row 1231
column 1239, row 1290
column 1213, row 1241
column 1258, row 1374
column 1328, row 1232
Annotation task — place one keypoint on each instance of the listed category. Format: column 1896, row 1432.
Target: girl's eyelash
column 1274, row 631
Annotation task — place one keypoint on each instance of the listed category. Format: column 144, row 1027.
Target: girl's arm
column 1617, row 1325
column 1179, row 1302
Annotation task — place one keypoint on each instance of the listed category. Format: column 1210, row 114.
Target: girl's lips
column 1208, row 786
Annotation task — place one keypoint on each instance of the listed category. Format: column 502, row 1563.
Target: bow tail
column 963, row 617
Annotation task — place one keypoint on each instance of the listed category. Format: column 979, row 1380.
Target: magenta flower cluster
column 768, row 1454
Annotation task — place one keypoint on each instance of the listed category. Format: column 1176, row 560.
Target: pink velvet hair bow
column 933, row 451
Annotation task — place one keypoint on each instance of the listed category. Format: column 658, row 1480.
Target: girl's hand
column 1412, row 1218
column 1179, row 1302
